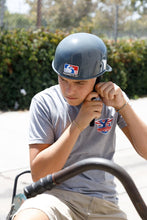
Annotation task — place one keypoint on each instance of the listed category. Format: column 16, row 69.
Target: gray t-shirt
column 50, row 115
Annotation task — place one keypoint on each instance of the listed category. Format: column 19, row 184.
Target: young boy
column 60, row 134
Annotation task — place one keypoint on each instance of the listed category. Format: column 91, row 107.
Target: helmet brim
column 107, row 69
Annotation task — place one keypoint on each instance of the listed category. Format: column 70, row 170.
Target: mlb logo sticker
column 104, row 125
column 71, row 70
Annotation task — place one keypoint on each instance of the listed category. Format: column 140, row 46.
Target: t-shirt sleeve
column 40, row 126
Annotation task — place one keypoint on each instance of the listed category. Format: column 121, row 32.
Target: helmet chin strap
column 98, row 79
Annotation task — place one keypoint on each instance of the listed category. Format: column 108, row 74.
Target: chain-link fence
column 65, row 15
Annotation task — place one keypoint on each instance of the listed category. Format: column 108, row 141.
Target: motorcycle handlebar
column 48, row 182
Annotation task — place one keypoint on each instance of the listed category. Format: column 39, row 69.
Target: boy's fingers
column 106, row 89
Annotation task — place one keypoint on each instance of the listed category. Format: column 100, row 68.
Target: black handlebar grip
column 39, row 187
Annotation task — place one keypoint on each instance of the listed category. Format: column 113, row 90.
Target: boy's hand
column 111, row 94
column 90, row 109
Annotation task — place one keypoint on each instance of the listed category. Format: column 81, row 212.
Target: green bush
column 25, row 66
column 135, row 63
column 129, row 62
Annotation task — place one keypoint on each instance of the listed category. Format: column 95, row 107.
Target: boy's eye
column 76, row 82
column 80, row 82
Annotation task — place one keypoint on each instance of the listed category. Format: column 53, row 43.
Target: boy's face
column 75, row 91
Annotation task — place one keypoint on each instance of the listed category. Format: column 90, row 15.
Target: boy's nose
column 70, row 89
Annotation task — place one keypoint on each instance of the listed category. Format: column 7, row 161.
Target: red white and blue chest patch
column 104, row 125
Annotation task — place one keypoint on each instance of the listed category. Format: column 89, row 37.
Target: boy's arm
column 136, row 129
column 45, row 158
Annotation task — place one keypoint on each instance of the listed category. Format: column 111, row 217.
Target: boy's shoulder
column 48, row 92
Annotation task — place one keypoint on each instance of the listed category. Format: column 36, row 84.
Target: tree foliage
column 12, row 21
column 98, row 16
column 94, row 16
column 65, row 14
column 107, row 19
column 140, row 6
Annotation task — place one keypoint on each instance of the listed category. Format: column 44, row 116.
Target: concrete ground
column 14, row 158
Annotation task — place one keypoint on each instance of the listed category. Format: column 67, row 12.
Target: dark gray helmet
column 81, row 56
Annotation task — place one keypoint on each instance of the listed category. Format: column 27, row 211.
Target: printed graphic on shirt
column 71, row 70
column 104, row 125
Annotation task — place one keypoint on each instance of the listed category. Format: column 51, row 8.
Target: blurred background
column 30, row 31
column 113, row 18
